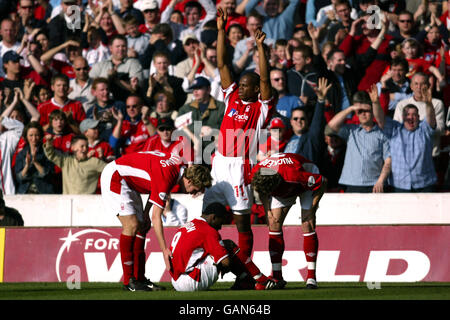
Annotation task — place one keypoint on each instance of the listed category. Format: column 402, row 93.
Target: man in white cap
column 150, row 10
column 191, row 46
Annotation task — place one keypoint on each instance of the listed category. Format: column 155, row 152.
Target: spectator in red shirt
column 73, row 109
column 233, row 16
column 132, row 129
column 62, row 137
column 96, row 147
column 372, row 46
column 165, row 141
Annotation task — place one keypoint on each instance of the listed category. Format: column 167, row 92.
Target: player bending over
column 277, row 182
column 199, row 255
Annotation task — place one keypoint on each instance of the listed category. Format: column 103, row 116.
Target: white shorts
column 208, row 276
column 118, row 198
column 305, row 201
column 228, row 185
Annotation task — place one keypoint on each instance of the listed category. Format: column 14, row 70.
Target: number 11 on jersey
column 240, row 191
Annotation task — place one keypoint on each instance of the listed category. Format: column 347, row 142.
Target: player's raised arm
column 224, row 71
column 264, row 82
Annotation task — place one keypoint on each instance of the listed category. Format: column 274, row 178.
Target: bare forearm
column 158, row 226
column 338, row 120
column 386, row 170
column 431, row 115
column 378, row 114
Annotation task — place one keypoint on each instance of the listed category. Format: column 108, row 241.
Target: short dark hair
column 60, row 76
column 306, row 51
column 193, row 4
column 99, row 80
column 57, row 114
column 33, row 125
column 400, row 62
column 407, row 107
column 217, row 209
column 77, row 138
column 164, row 29
column 117, row 36
column 281, row 42
column 342, row 2
column 332, row 52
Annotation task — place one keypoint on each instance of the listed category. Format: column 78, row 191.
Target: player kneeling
column 199, row 255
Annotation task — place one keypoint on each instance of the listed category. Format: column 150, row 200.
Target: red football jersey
column 150, row 172
column 45, row 108
column 102, row 150
column 296, row 179
column 242, row 123
column 191, row 244
column 135, row 135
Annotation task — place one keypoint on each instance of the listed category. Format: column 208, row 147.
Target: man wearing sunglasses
column 367, row 163
column 82, row 84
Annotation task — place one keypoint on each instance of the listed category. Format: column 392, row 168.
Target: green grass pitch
column 220, row 291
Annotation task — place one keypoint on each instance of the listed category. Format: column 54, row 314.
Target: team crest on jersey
column 163, row 196
column 232, row 113
column 247, row 109
column 311, row 181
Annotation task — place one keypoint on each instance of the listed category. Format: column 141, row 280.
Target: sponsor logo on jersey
column 232, row 113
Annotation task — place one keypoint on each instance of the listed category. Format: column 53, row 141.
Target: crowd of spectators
column 83, row 82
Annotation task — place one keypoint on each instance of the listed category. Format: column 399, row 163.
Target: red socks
column 276, row 250
column 310, row 247
column 245, row 240
column 126, row 255
column 139, row 257
column 133, row 257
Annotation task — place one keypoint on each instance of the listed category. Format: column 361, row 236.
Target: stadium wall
column 335, row 209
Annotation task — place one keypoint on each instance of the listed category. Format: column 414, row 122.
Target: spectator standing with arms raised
column 411, row 145
column 367, row 163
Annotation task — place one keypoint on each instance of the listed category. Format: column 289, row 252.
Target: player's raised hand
column 322, row 88
column 222, row 17
column 259, row 37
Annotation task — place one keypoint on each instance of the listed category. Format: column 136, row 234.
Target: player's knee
column 130, row 226
column 308, row 225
